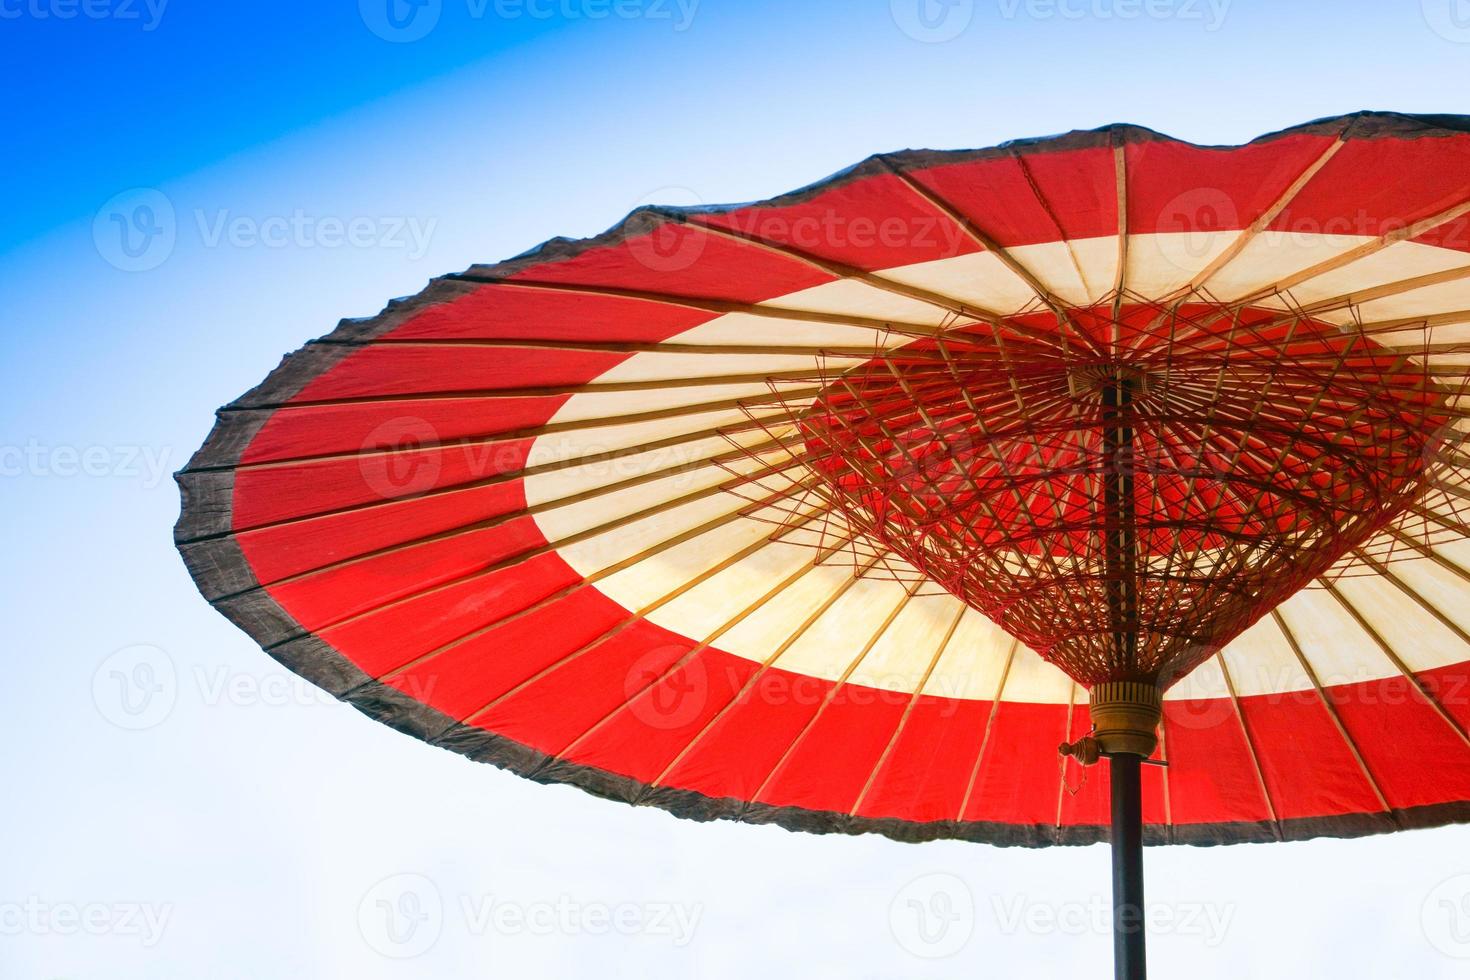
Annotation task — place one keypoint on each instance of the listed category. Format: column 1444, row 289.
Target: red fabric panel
column 1018, row 777
column 1211, row 776
column 1174, row 187
column 291, row 548
column 737, row 755
column 926, row 775
column 469, row 676
column 681, row 704
column 1090, row 805
column 1372, row 187
column 1080, row 188
column 351, row 589
column 386, row 640
column 317, row 430
column 553, row 711
column 997, row 195
column 279, row 493
column 1413, row 754
column 684, row 261
column 1450, row 686
column 1309, row 770
column 408, row 370
column 517, row 313
column 1452, row 235
column 829, row 768
column 873, row 223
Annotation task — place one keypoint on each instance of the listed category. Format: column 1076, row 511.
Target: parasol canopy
column 839, row 510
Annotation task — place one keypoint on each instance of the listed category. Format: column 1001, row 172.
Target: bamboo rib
column 709, row 640
column 613, row 524
column 1120, row 281
column 840, row 270
column 1000, row 687
column 522, row 557
column 907, row 711
column 1250, row 744
column 541, row 391
column 1399, row 665
column 980, row 237
column 831, row 694
column 510, row 476
column 1355, row 254
column 1064, row 740
column 1198, row 282
column 1331, row 710
column 725, row 405
column 640, row 616
column 755, row 678
column 719, row 306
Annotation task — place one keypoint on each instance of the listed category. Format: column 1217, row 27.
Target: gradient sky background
column 258, row 822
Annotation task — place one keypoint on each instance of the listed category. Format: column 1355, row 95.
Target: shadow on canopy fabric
column 582, row 514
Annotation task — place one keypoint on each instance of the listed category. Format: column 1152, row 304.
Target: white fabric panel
column 979, row 279
column 1441, row 587
column 1411, row 632
column 1405, row 260
column 615, row 544
column 1036, row 681
column 1098, row 260
column 1273, row 256
column 852, row 297
column 612, row 404
column 667, row 367
column 659, row 575
column 711, row 604
column 1260, row 662
column 1447, row 297
column 1338, row 650
column 974, row 661
column 581, row 443
column 1205, row 681
column 904, row 652
column 561, row 483
column 748, row 328
column 761, row 634
column 1160, row 264
column 831, row 644
column 1446, row 333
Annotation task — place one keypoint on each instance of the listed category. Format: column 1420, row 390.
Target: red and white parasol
column 840, row 510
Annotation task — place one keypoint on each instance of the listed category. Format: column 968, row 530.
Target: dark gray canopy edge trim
column 226, row 580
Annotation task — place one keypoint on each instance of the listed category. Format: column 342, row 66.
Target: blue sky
column 250, row 818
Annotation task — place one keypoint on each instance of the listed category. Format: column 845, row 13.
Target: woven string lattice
column 1124, row 488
